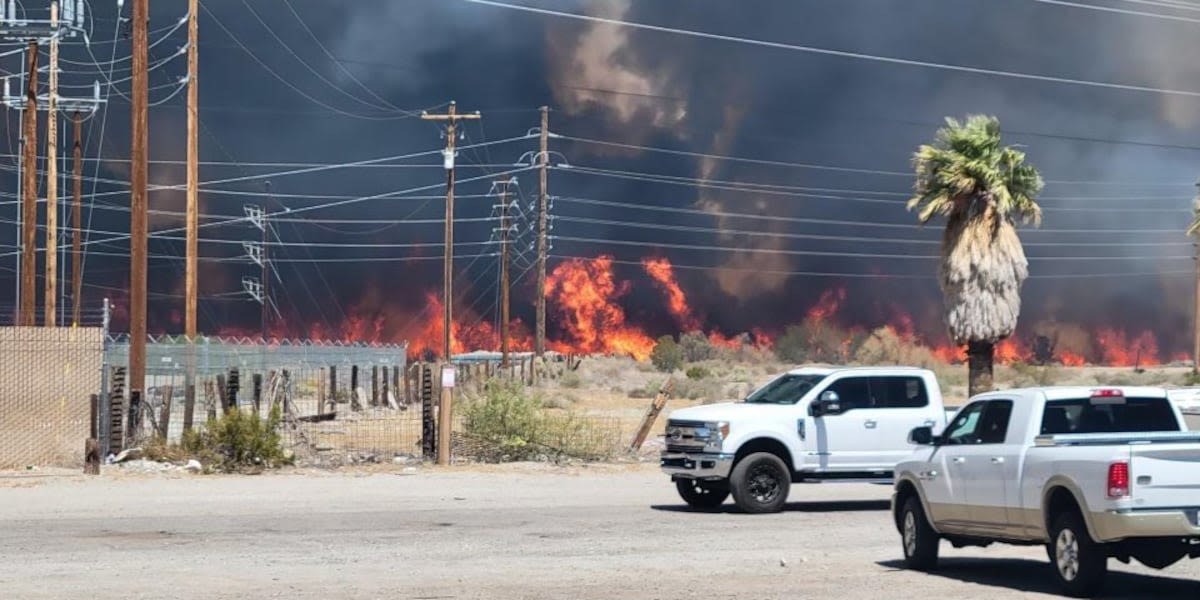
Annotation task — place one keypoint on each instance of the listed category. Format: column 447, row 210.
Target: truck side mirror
column 828, row 404
column 921, row 436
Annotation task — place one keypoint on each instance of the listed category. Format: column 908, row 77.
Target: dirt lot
column 521, row 531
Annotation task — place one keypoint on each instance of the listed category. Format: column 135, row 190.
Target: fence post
column 117, row 406
column 135, row 417
column 374, row 385
column 396, row 384
column 409, row 372
column 354, row 403
column 428, row 431
column 222, row 394
column 164, row 414
column 189, row 405
column 333, row 388
column 320, row 390
column 91, row 446
column 235, row 385
column 210, row 400
column 258, row 380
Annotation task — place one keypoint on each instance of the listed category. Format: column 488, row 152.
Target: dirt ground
column 517, row 531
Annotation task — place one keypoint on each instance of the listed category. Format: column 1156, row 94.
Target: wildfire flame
column 663, row 274
column 585, row 293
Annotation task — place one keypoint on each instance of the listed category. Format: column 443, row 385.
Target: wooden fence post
column 257, row 378
column 91, row 446
column 428, row 428
column 164, row 413
column 660, row 401
column 189, row 406
column 374, row 385
column 333, row 387
column 211, row 398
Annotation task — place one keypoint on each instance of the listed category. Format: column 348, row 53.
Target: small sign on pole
column 448, row 376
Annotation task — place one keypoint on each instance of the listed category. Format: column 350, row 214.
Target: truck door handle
column 870, row 424
column 958, row 460
column 929, row 423
column 997, row 460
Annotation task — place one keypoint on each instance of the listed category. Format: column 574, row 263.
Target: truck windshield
column 786, row 389
column 1136, row 415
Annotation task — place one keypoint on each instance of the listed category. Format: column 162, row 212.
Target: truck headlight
column 717, row 432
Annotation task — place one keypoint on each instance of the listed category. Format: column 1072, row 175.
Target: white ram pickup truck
column 1089, row 473
column 809, row 424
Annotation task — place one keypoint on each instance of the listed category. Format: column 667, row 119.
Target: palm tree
column 983, row 189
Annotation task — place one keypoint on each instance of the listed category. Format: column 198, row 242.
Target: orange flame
column 1118, row 349
column 827, row 305
column 661, row 271
column 1071, row 359
column 586, row 293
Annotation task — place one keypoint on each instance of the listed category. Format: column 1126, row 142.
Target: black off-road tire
column 760, row 483
column 917, row 537
column 1080, row 564
column 703, row 495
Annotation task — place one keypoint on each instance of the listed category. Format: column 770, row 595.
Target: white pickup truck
column 1089, row 473
column 809, row 424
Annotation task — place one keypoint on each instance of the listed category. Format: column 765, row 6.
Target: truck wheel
column 919, row 539
column 705, row 495
column 1079, row 562
column 760, row 483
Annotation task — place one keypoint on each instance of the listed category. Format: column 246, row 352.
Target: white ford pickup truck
column 1089, row 473
column 809, row 424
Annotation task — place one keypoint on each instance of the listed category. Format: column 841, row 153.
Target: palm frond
column 967, row 165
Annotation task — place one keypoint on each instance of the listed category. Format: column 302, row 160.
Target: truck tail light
column 1118, row 480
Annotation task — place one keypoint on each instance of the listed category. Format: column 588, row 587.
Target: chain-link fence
column 47, row 378
column 337, row 400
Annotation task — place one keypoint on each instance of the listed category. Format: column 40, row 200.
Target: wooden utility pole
column 138, row 168
column 29, row 189
column 504, row 284
column 51, row 280
column 452, row 117
column 539, row 343
column 193, row 170
column 77, row 220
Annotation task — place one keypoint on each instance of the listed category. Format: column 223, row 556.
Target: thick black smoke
column 706, row 96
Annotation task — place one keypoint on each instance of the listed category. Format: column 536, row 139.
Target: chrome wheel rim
column 1066, row 550
column 910, row 534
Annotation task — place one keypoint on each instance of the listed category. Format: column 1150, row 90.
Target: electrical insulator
column 7, row 89
column 68, row 13
column 12, row 10
column 79, row 7
column 96, row 90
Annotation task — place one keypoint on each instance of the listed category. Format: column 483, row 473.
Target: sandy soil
column 518, row 531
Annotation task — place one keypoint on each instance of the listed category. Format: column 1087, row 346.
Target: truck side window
column 993, row 426
column 899, row 392
column 965, row 427
column 854, row 392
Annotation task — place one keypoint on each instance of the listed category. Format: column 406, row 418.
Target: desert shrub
column 570, row 380
column 698, row 372
column 696, row 347
column 667, row 355
column 1028, row 375
column 1191, row 378
column 699, row 389
column 559, row 401
column 1118, row 378
column 238, row 440
column 505, row 422
column 885, row 347
column 812, row 341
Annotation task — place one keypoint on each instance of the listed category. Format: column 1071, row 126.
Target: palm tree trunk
column 980, row 360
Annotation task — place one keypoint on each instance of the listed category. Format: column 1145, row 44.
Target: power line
column 850, row 275
column 842, row 53
column 819, row 221
column 1125, row 11
column 838, row 254
column 820, row 167
column 798, row 191
column 833, row 238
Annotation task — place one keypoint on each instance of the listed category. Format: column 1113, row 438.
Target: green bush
column 698, row 372
column 238, row 440
column 696, row 347
column 570, row 379
column 813, row 342
column 667, row 355
column 505, row 422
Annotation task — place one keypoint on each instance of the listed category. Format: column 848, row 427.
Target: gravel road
column 522, row 531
